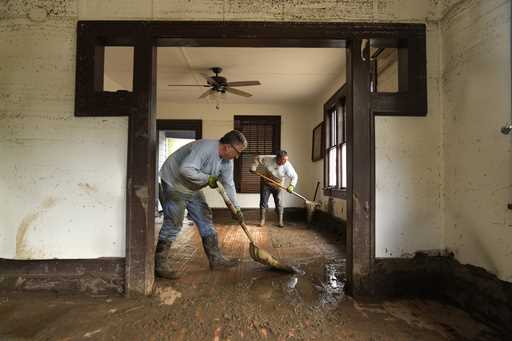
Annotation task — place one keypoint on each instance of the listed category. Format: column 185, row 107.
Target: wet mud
column 249, row 302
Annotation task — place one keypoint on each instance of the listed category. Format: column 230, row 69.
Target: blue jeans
column 265, row 191
column 174, row 210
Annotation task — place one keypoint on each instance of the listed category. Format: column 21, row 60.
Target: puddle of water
column 333, row 288
column 319, row 284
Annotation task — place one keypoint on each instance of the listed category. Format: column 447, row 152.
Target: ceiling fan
column 221, row 85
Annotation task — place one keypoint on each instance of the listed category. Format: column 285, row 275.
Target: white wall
column 67, row 200
column 478, row 163
column 408, row 164
column 217, row 122
column 62, row 178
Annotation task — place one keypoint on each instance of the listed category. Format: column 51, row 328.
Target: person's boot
column 215, row 256
column 280, row 213
column 263, row 211
column 163, row 260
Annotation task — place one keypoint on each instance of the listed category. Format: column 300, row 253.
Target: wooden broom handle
column 232, row 208
column 281, row 186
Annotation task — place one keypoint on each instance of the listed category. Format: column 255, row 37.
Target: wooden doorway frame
column 145, row 36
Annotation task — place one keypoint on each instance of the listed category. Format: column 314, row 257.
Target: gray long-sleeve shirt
column 187, row 169
column 279, row 172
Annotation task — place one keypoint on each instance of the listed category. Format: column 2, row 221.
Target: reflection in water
column 332, row 290
column 319, row 284
column 292, row 281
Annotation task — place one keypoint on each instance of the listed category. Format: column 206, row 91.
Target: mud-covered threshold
column 243, row 303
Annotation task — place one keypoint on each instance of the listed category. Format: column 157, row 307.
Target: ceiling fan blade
column 186, row 85
column 206, row 93
column 237, row 92
column 244, row 83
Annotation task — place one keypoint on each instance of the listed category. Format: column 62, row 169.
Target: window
column 335, row 179
column 389, row 60
column 263, row 135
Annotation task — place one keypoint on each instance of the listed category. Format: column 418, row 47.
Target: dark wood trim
column 411, row 98
column 360, row 218
column 337, row 100
column 140, row 203
column 195, row 125
column 336, row 97
column 101, row 275
column 140, row 106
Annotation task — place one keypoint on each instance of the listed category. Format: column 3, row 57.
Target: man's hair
column 234, row 137
column 282, row 153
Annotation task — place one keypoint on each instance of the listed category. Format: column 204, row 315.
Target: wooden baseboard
column 471, row 288
column 252, row 215
column 101, row 275
column 324, row 220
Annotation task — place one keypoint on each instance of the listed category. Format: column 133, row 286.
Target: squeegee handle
column 232, row 208
column 280, row 186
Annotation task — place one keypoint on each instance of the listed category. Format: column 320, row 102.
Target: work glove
column 290, row 189
column 238, row 215
column 212, row 181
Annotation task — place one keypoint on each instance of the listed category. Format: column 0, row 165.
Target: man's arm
column 190, row 167
column 226, row 178
column 291, row 173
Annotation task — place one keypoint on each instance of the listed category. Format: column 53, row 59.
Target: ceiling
column 287, row 75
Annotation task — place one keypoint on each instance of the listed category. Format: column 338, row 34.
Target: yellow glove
column 237, row 215
column 290, row 189
column 212, row 181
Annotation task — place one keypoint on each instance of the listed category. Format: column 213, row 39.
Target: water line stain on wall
column 86, row 187
column 22, row 250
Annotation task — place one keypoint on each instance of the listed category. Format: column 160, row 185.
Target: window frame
column 275, row 121
column 337, row 103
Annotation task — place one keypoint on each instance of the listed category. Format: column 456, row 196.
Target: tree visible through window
column 263, row 135
column 336, row 142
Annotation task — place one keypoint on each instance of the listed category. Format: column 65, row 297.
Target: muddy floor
column 247, row 302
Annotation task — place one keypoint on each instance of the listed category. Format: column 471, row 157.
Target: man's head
column 232, row 145
column 281, row 157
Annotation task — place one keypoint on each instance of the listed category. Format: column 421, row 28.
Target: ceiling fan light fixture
column 217, row 97
column 220, row 85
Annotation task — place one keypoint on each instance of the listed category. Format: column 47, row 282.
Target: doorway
column 140, row 105
column 172, row 135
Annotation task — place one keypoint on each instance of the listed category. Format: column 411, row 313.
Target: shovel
column 259, row 255
column 310, row 205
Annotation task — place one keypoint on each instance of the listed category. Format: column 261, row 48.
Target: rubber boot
column 163, row 260
column 280, row 213
column 215, row 256
column 263, row 211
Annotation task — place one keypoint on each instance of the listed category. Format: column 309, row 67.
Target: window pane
column 341, row 123
column 332, row 167
column 334, row 126
column 344, row 165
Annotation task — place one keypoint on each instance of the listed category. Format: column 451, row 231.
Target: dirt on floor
column 247, row 302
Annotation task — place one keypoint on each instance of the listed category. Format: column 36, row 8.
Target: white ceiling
column 287, row 75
